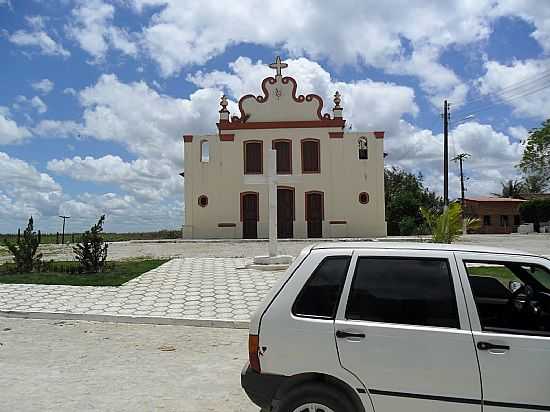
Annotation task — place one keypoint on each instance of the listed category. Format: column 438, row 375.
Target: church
column 328, row 182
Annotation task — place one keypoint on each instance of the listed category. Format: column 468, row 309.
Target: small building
column 497, row 215
column 330, row 183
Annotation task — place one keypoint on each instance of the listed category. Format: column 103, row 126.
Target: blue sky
column 96, row 94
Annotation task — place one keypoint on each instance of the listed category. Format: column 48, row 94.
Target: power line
column 504, row 100
column 513, row 87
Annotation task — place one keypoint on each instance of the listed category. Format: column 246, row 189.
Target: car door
column 514, row 354
column 403, row 330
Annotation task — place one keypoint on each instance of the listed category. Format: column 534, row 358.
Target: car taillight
column 253, row 351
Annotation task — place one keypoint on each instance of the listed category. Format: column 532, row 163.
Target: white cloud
column 44, row 86
column 70, row 91
column 514, row 85
column 23, row 103
column 518, row 132
column 366, row 32
column 147, row 180
column 147, row 123
column 10, row 132
column 123, row 212
column 38, row 37
column 92, row 27
column 58, row 129
column 493, row 160
column 24, row 191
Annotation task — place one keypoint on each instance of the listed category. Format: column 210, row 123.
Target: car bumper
column 260, row 387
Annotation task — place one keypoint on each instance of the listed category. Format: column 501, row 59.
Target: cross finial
column 278, row 65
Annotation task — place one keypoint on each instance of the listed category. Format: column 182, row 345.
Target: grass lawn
column 117, row 274
column 501, row 273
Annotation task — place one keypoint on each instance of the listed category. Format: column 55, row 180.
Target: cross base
column 279, row 262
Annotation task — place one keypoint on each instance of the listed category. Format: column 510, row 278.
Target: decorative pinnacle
column 224, row 103
column 337, row 100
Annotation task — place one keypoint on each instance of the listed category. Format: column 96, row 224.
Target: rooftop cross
column 278, row 65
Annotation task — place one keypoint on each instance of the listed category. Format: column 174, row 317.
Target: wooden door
column 285, row 212
column 314, row 214
column 249, row 214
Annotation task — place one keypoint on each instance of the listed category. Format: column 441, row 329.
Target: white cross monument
column 271, row 180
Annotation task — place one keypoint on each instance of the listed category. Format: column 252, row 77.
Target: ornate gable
column 280, row 107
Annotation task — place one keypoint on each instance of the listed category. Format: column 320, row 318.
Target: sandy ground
column 534, row 243
column 86, row 366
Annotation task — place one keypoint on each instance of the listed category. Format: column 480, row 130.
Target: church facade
column 329, row 183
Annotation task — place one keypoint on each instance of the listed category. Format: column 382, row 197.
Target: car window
column 511, row 297
column 320, row 295
column 403, row 290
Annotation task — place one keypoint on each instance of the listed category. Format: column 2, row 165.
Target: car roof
column 419, row 246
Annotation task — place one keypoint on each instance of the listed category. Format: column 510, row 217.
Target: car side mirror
column 514, row 286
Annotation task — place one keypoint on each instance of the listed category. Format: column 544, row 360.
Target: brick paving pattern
column 187, row 288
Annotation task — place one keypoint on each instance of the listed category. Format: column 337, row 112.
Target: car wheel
column 315, row 398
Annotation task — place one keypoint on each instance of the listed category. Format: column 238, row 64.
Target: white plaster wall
column 343, row 176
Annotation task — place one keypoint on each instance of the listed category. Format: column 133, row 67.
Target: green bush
column 447, row 227
column 535, row 211
column 25, row 251
column 91, row 253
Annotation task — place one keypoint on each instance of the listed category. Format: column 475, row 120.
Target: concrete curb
column 149, row 320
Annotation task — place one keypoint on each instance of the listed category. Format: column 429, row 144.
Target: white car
column 389, row 327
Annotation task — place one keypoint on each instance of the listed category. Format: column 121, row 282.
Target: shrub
column 448, row 226
column 25, row 251
column 91, row 253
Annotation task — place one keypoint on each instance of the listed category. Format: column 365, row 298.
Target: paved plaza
column 194, row 291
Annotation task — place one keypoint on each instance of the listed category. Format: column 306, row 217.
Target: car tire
column 326, row 398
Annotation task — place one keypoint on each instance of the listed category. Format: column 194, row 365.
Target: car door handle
column 489, row 346
column 342, row 334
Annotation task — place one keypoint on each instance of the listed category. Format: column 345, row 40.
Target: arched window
column 205, row 151
column 311, row 156
column 284, row 156
column 253, row 157
column 363, row 148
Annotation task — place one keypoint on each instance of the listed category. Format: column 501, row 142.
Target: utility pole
column 460, row 158
column 63, row 233
column 446, row 116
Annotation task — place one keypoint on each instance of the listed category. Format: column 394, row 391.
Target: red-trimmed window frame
column 261, row 156
column 322, row 203
column 293, row 190
column 241, row 196
column 289, row 141
column 318, row 155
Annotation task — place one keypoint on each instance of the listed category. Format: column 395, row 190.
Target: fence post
column 57, row 238
column 18, row 235
column 72, row 237
column 39, row 237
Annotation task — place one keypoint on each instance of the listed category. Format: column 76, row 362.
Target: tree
column 91, row 252
column 448, row 226
column 511, row 188
column 535, row 211
column 404, row 195
column 535, row 163
column 25, row 251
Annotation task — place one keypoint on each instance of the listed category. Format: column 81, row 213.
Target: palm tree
column 511, row 188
